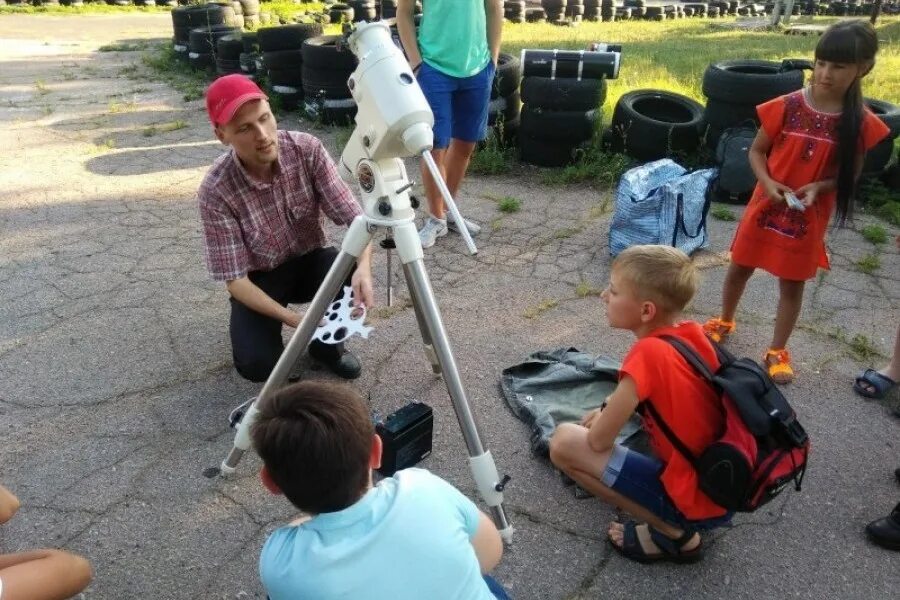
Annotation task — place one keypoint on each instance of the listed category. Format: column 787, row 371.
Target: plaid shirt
column 249, row 225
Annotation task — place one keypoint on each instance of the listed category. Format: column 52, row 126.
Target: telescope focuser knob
column 414, row 202
column 384, row 208
column 502, row 485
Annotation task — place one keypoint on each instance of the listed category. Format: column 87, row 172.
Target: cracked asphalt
column 116, row 378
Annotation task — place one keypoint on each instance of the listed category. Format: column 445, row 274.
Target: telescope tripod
column 385, row 197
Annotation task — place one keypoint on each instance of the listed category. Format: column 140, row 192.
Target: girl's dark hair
column 851, row 42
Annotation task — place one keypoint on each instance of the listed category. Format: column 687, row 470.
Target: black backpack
column 736, row 179
column 761, row 448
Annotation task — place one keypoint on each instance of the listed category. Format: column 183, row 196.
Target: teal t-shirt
column 453, row 36
column 408, row 538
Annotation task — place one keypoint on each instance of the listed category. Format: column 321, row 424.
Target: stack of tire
column 638, row 8
column 186, row 18
column 595, row 10
column 250, row 12
column 250, row 57
column 877, row 158
column 535, row 15
column 699, row 9
column 514, row 11
column 228, row 54
column 575, row 10
column 281, row 49
column 363, row 10
column 388, row 9
column 555, row 10
column 653, row 124
column 327, row 98
column 503, row 111
column 559, row 114
column 203, row 45
column 733, row 89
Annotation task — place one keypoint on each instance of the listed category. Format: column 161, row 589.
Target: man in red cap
column 261, row 206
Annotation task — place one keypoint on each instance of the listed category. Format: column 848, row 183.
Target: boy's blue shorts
column 636, row 476
column 460, row 104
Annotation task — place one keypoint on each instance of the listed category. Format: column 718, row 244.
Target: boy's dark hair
column 315, row 440
column 852, row 42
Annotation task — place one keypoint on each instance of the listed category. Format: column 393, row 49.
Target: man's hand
column 775, row 190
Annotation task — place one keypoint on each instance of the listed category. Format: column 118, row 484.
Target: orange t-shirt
column 788, row 243
column 688, row 405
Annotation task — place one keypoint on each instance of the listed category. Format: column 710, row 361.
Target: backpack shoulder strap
column 691, row 356
column 647, row 406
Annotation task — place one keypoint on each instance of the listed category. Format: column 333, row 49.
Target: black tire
column 287, row 37
column 507, row 77
column 535, row 15
column 653, row 12
column 563, row 94
column 504, row 109
column 287, row 77
column 558, row 125
column 250, row 42
column 749, row 81
column 325, row 83
column 282, row 60
column 878, row 157
column 202, row 61
column 321, row 53
column 544, row 153
column 719, row 116
column 206, row 14
column 203, row 40
column 652, row 124
column 340, row 13
column 229, row 47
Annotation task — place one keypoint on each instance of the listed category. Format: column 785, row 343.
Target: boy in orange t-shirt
column 649, row 286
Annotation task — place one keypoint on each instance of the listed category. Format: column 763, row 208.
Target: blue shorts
column 459, row 104
column 636, row 476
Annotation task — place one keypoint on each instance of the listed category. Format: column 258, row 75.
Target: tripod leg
column 423, row 329
column 355, row 241
column 481, row 463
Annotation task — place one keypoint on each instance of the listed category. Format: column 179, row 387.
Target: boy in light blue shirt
column 412, row 536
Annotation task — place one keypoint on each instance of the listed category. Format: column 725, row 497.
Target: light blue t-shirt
column 453, row 36
column 407, row 538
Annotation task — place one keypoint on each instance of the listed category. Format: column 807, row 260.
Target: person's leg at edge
column 43, row 574
column 570, row 452
column 735, row 282
column 432, row 193
column 892, row 370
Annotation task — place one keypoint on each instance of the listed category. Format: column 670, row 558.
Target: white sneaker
column 431, row 230
column 474, row 228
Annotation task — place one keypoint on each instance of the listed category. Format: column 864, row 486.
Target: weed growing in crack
column 104, row 146
column 158, row 128
column 868, row 264
column 875, row 234
column 121, row 107
column 162, row 62
column 508, row 204
column 566, row 232
column 536, row 311
column 584, row 289
column 863, row 348
column 41, row 87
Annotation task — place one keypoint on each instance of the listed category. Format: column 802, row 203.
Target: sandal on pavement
column 880, row 384
column 886, row 532
column 671, row 550
column 718, row 329
column 778, row 364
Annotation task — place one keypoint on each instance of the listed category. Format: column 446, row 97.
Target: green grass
column 508, row 204
column 584, row 289
column 158, row 128
column 878, row 200
column 868, row 264
column 875, row 234
column 592, row 165
column 863, row 348
column 722, row 213
column 162, row 62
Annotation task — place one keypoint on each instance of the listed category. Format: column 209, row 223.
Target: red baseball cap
column 227, row 94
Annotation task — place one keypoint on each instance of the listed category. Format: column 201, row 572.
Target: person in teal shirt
column 454, row 56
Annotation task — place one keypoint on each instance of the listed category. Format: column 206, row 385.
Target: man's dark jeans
column 256, row 339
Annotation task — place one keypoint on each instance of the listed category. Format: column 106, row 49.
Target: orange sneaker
column 718, row 329
column 778, row 363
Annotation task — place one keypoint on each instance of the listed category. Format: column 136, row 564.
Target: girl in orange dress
column 811, row 146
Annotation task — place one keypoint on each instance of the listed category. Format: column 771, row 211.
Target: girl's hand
column 808, row 193
column 775, row 190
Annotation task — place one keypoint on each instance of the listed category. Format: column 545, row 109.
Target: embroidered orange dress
column 788, row 243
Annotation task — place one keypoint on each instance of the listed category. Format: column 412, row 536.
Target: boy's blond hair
column 662, row 274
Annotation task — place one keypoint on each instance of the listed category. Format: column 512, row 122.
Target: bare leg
column 570, row 452
column 790, row 301
column 43, row 575
column 452, row 162
column 432, row 193
column 735, row 282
